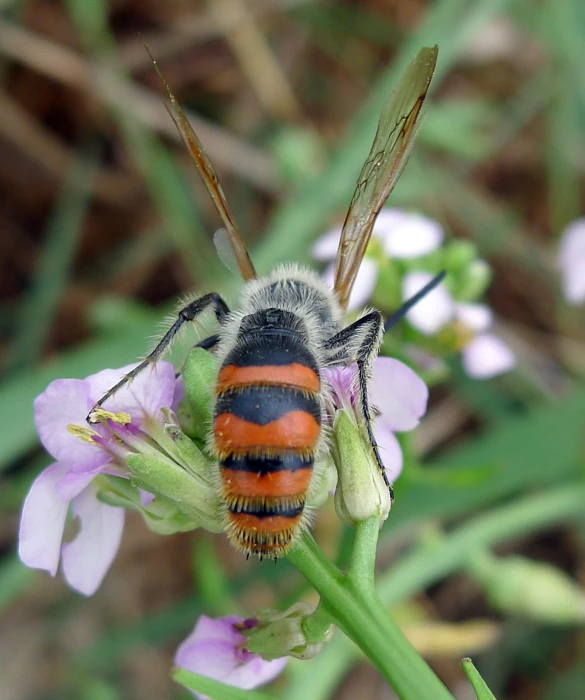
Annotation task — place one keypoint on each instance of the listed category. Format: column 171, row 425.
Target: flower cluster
column 93, row 471
column 405, row 253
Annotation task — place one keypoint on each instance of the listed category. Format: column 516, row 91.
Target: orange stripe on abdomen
column 294, row 375
column 296, row 430
column 275, row 484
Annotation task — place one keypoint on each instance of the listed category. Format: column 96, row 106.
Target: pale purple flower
column 217, row 649
column 571, row 261
column 399, row 395
column 403, row 235
column 483, row 354
column 82, row 453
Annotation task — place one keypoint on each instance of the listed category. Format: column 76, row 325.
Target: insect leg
column 208, row 343
column 185, row 315
column 360, row 342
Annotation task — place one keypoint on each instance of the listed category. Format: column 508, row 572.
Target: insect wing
column 209, row 177
column 225, row 251
column 397, row 129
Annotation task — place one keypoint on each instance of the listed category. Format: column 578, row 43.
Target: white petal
column 571, row 261
column 390, row 450
column 432, row 312
column 88, row 557
column 477, row 317
column 325, row 248
column 486, row 356
column 573, row 281
column 364, row 285
column 43, row 521
column 572, row 242
column 398, row 393
column 408, row 235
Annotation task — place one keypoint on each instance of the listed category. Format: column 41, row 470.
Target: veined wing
column 209, row 177
column 397, row 129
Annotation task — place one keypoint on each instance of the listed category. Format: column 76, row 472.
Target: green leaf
column 478, row 684
column 214, row 689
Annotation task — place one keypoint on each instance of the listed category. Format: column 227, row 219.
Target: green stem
column 317, row 625
column 367, row 624
column 361, row 573
column 425, row 565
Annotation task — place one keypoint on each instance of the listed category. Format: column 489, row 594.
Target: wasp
column 270, row 400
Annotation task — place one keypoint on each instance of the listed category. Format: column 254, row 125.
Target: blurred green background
column 103, row 224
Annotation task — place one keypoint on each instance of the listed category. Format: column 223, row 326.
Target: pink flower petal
column 325, row 248
column 150, row 391
column 43, row 521
column 389, row 448
column 146, row 498
column 179, row 394
column 407, row 235
column 487, row 356
column 434, row 310
column 399, row 393
column 63, row 402
column 73, row 483
column 214, row 650
column 88, row 557
column 477, row 317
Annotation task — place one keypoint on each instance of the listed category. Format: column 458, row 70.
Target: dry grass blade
column 110, row 86
column 45, row 148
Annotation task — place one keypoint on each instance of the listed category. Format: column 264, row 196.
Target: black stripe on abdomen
column 290, row 462
column 267, row 510
column 271, row 347
column 265, row 404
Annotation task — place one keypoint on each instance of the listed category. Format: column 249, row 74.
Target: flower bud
column 474, row 281
column 199, row 376
column 193, row 496
column 529, row 589
column 458, row 255
column 274, row 634
column 361, row 492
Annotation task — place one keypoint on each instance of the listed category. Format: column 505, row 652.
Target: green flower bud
column 161, row 516
column 199, row 377
column 458, row 255
column 529, row 589
column 361, row 492
column 279, row 634
column 322, row 483
column 168, row 480
column 474, row 281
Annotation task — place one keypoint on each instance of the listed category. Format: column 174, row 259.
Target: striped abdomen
column 266, row 427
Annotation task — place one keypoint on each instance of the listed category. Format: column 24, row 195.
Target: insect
column 269, row 397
